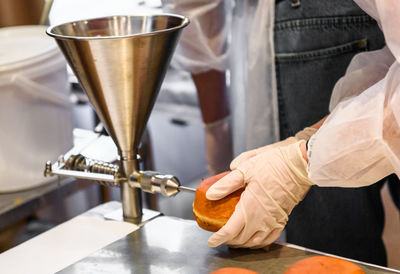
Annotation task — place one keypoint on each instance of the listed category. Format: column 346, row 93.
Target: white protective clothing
column 359, row 143
column 276, row 181
column 304, row 134
column 236, row 36
column 218, row 146
column 203, row 44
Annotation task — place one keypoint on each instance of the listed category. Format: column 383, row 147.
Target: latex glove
column 218, row 146
column 304, row 134
column 276, row 181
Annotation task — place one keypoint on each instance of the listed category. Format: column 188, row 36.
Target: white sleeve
column 364, row 70
column 203, row 44
column 359, row 143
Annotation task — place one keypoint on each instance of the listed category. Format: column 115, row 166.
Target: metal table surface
column 172, row 245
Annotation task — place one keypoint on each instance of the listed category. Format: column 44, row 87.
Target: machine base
column 148, row 215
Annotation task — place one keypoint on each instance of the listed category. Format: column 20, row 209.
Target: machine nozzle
column 152, row 182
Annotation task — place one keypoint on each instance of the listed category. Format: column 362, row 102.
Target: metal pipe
column 85, row 175
column 131, row 197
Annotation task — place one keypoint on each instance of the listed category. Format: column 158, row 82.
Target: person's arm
column 214, row 107
column 318, row 124
column 303, row 145
column 359, row 143
column 212, row 94
column 202, row 51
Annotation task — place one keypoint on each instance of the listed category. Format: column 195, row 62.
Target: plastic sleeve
column 359, row 143
column 365, row 70
column 203, row 44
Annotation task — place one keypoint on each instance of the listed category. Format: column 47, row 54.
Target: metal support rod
column 58, row 169
column 131, row 197
column 131, row 203
column 85, row 175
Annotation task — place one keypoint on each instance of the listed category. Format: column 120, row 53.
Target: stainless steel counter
column 172, row 245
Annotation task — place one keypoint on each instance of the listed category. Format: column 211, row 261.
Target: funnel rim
column 185, row 22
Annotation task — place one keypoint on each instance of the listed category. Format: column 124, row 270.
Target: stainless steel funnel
column 120, row 62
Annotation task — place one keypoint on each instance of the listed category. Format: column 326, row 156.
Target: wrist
column 303, row 149
column 306, row 133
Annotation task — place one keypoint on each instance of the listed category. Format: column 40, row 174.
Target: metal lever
column 81, row 167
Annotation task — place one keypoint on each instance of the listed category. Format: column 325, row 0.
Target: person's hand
column 304, row 134
column 276, row 181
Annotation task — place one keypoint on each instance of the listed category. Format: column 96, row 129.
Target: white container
column 35, row 113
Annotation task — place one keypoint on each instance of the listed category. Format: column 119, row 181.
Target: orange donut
column 212, row 215
column 233, row 270
column 324, row 265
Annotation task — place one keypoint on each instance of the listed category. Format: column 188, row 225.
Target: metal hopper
column 120, row 62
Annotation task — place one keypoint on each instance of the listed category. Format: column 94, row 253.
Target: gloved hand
column 304, row 134
column 276, row 181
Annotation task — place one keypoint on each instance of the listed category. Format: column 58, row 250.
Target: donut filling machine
column 120, row 61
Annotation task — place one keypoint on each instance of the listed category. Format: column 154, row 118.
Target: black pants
column 314, row 43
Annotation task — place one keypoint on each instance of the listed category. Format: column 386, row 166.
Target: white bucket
column 35, row 113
